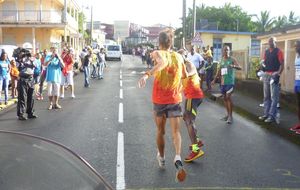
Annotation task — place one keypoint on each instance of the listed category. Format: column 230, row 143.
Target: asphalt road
column 110, row 124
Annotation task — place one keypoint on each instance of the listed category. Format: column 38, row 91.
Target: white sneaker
column 261, row 105
column 277, row 118
column 161, row 161
column 62, row 96
column 73, row 96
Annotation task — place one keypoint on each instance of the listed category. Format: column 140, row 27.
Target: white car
column 114, row 52
column 9, row 49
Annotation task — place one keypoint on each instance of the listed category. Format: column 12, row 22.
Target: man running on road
column 168, row 71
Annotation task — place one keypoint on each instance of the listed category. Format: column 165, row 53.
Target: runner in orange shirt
column 194, row 95
column 168, row 71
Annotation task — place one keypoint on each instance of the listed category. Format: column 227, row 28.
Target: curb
column 273, row 128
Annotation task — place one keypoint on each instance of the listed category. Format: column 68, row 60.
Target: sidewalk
column 247, row 105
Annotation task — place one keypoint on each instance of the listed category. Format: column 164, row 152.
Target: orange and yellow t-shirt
column 167, row 85
column 191, row 87
column 14, row 72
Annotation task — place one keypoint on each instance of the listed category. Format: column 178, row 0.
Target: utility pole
column 91, row 29
column 194, row 18
column 183, row 23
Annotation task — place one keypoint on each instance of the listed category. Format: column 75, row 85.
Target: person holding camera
column 54, row 65
column 25, row 86
column 274, row 64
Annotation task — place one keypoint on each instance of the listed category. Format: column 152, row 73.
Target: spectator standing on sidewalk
column 209, row 70
column 54, row 65
column 296, row 128
column 226, row 70
column 26, row 86
column 37, row 74
column 43, row 74
column 87, row 61
column 4, row 76
column 100, row 63
column 67, row 73
column 198, row 61
column 274, row 65
column 14, row 74
column 168, row 71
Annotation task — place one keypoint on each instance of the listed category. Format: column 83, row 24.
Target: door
column 217, row 49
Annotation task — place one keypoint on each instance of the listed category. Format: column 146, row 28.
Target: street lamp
column 91, row 29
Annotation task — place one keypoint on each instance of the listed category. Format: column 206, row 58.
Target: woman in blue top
column 4, row 76
column 54, row 65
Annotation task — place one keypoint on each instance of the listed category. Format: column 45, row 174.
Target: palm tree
column 264, row 23
column 280, row 22
column 292, row 18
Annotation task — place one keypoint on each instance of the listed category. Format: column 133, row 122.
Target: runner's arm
column 235, row 64
column 159, row 64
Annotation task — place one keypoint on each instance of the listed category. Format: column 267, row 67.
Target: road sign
column 197, row 40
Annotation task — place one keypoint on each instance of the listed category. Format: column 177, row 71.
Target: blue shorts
column 297, row 89
column 226, row 89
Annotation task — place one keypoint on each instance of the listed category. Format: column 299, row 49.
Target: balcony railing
column 25, row 16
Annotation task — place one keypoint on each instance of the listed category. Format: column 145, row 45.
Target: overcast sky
column 169, row 12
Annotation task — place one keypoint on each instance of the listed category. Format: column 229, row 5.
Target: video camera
column 20, row 53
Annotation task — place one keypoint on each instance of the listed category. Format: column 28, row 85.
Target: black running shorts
column 169, row 110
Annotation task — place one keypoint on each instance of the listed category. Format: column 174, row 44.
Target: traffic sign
column 197, row 40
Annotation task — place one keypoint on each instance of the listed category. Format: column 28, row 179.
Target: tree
column 280, row 22
column 227, row 17
column 265, row 22
column 292, row 19
column 81, row 22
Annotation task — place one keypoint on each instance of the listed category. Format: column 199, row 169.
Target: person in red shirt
column 67, row 72
column 168, row 71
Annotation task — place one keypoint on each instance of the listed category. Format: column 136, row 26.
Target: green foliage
column 254, row 66
column 234, row 18
column 228, row 17
column 81, row 22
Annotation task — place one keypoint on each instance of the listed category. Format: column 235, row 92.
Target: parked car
column 113, row 52
column 9, row 49
column 33, row 162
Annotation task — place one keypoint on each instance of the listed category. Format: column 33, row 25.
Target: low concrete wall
column 254, row 88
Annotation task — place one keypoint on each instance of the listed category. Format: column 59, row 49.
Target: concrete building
column 121, row 30
column 41, row 23
column 98, row 34
column 154, row 33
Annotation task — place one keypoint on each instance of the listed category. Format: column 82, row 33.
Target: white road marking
column 120, row 163
column 120, row 72
column 120, row 76
column 121, row 83
column 121, row 93
column 121, row 113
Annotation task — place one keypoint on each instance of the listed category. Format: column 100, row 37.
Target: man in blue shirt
column 296, row 128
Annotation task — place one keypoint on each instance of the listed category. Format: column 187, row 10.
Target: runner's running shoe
column 161, row 161
column 180, row 173
column 194, row 155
